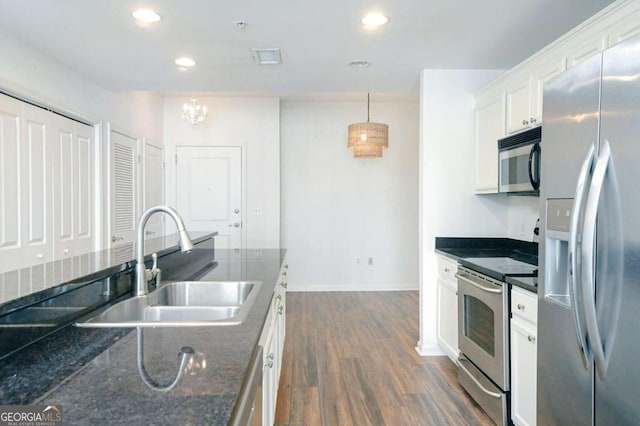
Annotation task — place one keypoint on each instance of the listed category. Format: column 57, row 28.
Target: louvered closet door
column 10, row 205
column 124, row 187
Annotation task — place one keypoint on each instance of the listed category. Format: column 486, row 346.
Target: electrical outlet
column 370, row 261
column 257, row 211
column 358, row 261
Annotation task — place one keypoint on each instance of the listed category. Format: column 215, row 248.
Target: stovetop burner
column 500, row 267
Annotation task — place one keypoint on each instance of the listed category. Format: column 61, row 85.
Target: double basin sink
column 182, row 304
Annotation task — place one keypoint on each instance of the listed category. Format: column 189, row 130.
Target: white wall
column 523, row 213
column 448, row 206
column 34, row 75
column 252, row 123
column 337, row 209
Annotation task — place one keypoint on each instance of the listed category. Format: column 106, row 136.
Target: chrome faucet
column 143, row 275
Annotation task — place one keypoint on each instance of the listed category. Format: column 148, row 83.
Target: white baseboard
column 425, row 350
column 364, row 287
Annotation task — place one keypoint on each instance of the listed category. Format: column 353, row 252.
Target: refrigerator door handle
column 574, row 270
column 588, row 258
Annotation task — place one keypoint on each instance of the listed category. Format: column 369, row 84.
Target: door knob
column 235, row 225
column 236, row 211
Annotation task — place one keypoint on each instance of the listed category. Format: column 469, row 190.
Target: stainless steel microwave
column 519, row 163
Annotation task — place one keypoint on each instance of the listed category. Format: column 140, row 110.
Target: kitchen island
column 105, row 386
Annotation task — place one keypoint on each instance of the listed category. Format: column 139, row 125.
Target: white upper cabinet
column 525, row 90
column 518, row 103
column 626, row 28
column 514, row 102
column 542, row 72
column 586, row 48
column 489, row 127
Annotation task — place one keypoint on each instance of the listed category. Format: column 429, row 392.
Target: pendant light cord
column 368, row 101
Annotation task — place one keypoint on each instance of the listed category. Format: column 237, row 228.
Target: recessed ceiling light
column 359, row 64
column 374, row 19
column 267, row 56
column 185, row 62
column 146, row 15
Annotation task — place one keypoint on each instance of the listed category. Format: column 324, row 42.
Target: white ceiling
column 100, row 40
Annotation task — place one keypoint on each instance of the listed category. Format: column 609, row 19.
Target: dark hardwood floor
column 349, row 359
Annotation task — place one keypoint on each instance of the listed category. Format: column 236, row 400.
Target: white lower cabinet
column 447, row 326
column 524, row 349
column 272, row 341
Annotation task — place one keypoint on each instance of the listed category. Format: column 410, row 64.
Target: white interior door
column 153, row 188
column 73, row 187
column 209, row 191
column 36, row 178
column 84, row 178
column 123, row 187
column 10, row 214
column 64, row 151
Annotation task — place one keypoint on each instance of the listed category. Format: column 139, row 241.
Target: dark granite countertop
column 43, row 281
column 527, row 283
column 108, row 388
column 463, row 248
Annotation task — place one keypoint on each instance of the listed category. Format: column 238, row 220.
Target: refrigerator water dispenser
column 558, row 223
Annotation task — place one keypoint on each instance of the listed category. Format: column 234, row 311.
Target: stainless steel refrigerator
column 589, row 277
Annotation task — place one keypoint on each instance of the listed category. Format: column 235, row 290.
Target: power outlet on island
column 257, row 211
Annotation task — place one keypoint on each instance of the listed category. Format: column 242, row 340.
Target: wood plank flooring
column 349, row 359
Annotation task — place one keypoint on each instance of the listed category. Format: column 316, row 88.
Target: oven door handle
column 482, row 388
column 481, row 287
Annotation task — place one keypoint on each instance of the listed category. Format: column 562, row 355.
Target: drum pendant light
column 368, row 139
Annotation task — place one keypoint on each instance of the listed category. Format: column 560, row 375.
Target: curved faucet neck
column 140, row 285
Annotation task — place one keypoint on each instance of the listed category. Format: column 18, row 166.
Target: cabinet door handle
column 446, row 270
column 114, row 239
column 531, row 338
column 280, row 309
column 520, row 307
column 533, row 120
column 283, row 284
column 525, row 122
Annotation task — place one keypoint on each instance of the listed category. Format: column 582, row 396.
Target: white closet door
column 84, row 202
column 124, row 187
column 153, row 187
column 36, row 180
column 10, row 206
column 64, row 152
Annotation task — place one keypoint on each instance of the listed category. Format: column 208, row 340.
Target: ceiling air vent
column 267, row 56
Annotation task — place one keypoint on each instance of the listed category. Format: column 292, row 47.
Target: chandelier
column 368, row 139
column 194, row 113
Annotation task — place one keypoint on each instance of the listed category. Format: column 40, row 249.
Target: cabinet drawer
column 447, row 268
column 524, row 304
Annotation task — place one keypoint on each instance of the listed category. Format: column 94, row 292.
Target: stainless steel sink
column 182, row 304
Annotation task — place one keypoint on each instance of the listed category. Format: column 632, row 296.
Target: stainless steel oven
column 519, row 163
column 483, row 339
